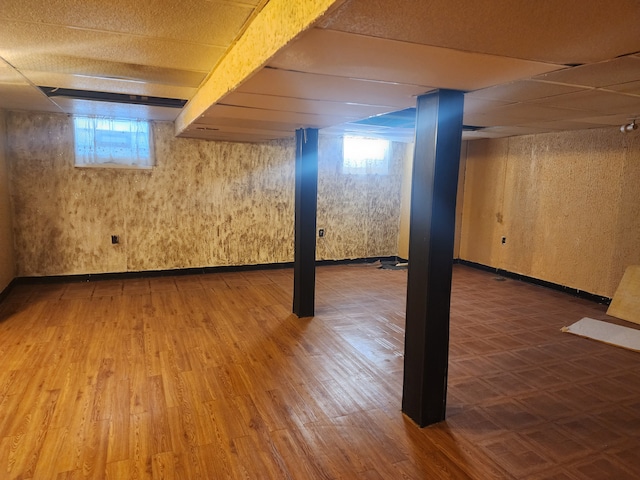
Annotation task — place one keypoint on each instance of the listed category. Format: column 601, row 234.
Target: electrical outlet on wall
column 321, row 232
column 115, row 239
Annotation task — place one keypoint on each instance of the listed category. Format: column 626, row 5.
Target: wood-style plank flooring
column 211, row 377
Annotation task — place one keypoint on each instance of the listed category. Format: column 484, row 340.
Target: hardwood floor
column 211, row 377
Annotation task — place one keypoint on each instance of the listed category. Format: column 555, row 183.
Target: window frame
column 122, row 161
column 364, row 164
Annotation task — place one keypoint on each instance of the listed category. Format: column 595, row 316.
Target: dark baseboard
column 391, row 258
column 536, row 281
column 92, row 277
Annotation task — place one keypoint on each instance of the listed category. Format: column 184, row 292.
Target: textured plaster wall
column 204, row 204
column 405, row 203
column 7, row 261
column 360, row 213
column 567, row 204
column 460, row 199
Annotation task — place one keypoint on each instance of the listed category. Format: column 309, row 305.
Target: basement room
column 322, row 239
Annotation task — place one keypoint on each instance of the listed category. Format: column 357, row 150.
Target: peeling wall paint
column 204, row 204
column 567, row 204
column 7, row 261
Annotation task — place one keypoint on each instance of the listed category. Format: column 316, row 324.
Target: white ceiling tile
column 369, row 57
column 301, row 105
column 300, row 119
column 273, row 133
column 480, row 134
column 9, row 75
column 475, row 105
column 563, row 125
column 357, row 56
column 223, row 123
column 510, row 131
column 563, row 32
column 522, row 91
column 620, row 70
column 520, row 113
column 15, row 96
column 616, row 120
column 28, row 47
column 632, row 88
column 196, row 21
column 595, row 101
column 112, row 85
column 102, row 69
column 286, row 83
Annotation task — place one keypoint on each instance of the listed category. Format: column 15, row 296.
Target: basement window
column 362, row 156
column 112, row 142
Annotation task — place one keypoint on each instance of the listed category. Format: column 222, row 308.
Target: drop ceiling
column 526, row 67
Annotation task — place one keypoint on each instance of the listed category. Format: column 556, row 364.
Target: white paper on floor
column 610, row 333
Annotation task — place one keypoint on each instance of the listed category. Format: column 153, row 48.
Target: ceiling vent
column 113, row 97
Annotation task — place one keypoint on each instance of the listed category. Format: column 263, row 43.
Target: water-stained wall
column 567, row 204
column 204, row 204
column 7, row 262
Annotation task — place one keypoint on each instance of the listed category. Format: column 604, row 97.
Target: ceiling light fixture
column 629, row 127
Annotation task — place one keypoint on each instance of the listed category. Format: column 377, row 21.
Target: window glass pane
column 363, row 155
column 112, row 141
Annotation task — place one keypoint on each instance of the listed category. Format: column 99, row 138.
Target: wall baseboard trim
column 536, row 281
column 92, row 277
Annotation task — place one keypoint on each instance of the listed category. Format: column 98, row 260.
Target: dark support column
column 432, row 230
column 304, row 266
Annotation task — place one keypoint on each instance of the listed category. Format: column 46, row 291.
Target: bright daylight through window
column 112, row 142
column 363, row 155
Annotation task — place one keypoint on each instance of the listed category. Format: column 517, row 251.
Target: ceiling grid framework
column 161, row 49
column 526, row 67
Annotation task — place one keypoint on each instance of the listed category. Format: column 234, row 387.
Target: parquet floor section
column 211, row 377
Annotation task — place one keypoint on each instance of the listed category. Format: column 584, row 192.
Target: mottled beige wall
column 405, row 214
column 7, row 261
column 405, row 203
column 204, row 204
column 460, row 199
column 567, row 204
column 359, row 213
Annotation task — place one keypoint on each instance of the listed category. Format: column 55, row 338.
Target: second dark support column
column 431, row 237
column 306, row 198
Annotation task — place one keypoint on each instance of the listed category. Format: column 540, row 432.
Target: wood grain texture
column 565, row 201
column 211, row 377
column 205, row 203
